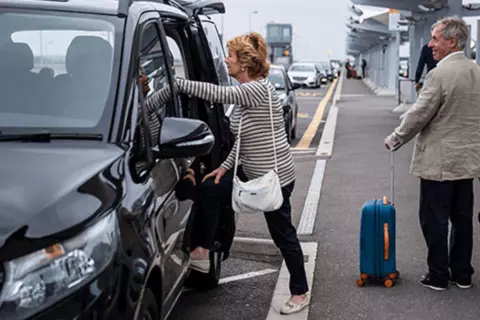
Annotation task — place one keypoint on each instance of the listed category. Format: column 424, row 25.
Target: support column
column 415, row 34
column 396, row 56
column 478, row 42
column 468, row 49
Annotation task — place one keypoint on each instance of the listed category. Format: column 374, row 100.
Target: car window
column 218, row 54
column 277, row 78
column 55, row 71
column 179, row 68
column 153, row 65
column 302, row 67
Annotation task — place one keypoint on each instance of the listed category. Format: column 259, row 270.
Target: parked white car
column 305, row 74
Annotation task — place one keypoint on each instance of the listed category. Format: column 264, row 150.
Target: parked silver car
column 305, row 74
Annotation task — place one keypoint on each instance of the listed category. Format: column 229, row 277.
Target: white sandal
column 202, row 266
column 290, row 307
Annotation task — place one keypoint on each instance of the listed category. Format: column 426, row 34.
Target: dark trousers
column 439, row 202
column 213, row 197
column 213, row 200
column 285, row 237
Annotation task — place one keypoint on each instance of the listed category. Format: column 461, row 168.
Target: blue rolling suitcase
column 377, row 239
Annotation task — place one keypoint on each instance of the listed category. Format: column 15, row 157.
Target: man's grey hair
column 454, row 28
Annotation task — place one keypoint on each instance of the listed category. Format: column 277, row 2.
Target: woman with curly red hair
column 247, row 62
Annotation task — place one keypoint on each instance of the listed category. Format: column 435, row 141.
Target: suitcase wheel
column 388, row 283
column 394, row 275
column 360, row 283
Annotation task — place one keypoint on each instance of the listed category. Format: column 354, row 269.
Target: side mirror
column 296, row 86
column 184, row 138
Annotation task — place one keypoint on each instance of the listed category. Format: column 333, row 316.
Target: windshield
column 302, row 68
column 276, row 77
column 55, row 71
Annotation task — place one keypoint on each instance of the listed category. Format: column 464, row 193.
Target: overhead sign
column 393, row 21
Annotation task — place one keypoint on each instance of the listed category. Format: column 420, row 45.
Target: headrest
column 16, row 56
column 88, row 54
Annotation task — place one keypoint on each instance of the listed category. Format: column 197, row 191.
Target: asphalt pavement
column 359, row 170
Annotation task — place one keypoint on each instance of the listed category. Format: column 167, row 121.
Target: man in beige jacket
column 446, row 122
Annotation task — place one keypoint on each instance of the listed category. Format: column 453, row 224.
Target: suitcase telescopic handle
column 392, row 178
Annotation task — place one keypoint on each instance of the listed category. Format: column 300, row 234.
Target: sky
column 318, row 25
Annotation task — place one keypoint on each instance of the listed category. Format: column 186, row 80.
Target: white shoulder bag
column 263, row 194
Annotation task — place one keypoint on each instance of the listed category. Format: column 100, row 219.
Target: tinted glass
column 55, row 71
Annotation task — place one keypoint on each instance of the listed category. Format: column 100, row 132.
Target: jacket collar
column 457, row 55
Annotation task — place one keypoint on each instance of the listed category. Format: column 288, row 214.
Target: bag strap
column 237, row 153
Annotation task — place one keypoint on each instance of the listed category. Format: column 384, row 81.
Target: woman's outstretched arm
column 249, row 94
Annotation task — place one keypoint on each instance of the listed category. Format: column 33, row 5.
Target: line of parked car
column 311, row 74
column 93, row 225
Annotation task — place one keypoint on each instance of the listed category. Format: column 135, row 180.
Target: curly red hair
column 252, row 52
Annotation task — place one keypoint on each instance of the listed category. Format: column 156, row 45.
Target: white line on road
column 282, row 292
column 307, row 222
column 247, row 275
column 325, row 148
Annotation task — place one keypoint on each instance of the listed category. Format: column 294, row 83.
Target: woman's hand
column 190, row 175
column 217, row 173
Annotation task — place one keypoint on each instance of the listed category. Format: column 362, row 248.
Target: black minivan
column 92, row 225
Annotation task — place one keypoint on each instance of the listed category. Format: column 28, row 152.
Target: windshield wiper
column 48, row 136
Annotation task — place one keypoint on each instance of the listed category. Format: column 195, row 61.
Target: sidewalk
column 357, row 171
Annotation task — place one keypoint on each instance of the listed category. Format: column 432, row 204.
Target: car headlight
column 37, row 280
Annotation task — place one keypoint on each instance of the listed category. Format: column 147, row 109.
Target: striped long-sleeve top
column 251, row 100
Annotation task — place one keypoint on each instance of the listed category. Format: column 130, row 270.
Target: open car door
column 203, row 7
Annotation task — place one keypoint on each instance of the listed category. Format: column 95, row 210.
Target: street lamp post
column 250, row 19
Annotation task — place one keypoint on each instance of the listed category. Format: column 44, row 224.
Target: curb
column 254, row 246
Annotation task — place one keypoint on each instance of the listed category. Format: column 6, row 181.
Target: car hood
column 301, row 74
column 48, row 188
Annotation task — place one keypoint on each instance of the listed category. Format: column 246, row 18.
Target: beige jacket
column 446, row 122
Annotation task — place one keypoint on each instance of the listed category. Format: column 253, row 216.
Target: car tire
column 148, row 306
column 206, row 281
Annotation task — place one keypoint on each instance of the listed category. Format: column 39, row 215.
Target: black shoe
column 465, row 284
column 427, row 282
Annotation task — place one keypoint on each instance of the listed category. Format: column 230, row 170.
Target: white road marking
column 307, row 222
column 238, row 277
column 282, row 292
column 247, row 275
column 303, row 151
column 325, row 148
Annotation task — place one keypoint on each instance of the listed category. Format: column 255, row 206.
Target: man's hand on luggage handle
column 389, row 144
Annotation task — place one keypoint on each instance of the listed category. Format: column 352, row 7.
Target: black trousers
column 439, row 202
column 284, row 235
column 213, row 200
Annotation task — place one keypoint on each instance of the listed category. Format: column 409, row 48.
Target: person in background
column 348, row 68
column 446, row 157
column 364, row 68
column 426, row 59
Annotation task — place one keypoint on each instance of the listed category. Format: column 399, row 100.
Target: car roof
column 108, row 7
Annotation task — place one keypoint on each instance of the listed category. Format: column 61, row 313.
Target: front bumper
column 304, row 83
